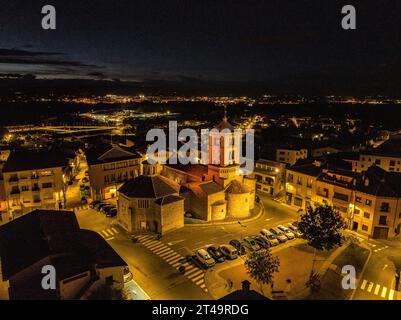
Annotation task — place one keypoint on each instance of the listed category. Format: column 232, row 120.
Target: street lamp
column 243, row 226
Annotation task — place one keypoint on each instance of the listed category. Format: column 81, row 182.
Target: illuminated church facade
column 213, row 191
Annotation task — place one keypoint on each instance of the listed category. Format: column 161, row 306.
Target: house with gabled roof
column 109, row 166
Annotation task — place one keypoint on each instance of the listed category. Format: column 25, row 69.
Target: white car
column 279, row 234
column 288, row 233
column 269, row 237
column 204, row 257
column 295, row 230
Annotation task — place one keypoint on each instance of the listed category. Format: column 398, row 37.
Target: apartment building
column 377, row 203
column 109, row 166
column 370, row 202
column 387, row 156
column 34, row 179
column 269, row 176
column 301, row 184
column 291, row 155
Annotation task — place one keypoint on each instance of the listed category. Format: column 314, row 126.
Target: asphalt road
column 378, row 279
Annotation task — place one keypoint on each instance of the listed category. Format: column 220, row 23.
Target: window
column 14, row 190
column 392, row 162
column 309, row 183
column 298, row 202
column 385, row 207
column 365, row 227
column 366, row 215
column 340, row 196
column 25, row 188
column 377, row 161
column 109, row 280
column 357, row 212
column 368, row 202
column 46, row 185
column 290, row 177
column 358, row 199
column 143, row 204
column 299, row 181
column 324, row 192
column 383, row 220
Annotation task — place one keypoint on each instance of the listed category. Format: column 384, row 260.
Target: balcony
column 15, row 192
column 35, row 189
column 340, row 196
column 13, row 179
column 324, row 194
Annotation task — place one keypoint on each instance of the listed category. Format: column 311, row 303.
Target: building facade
column 150, row 202
column 109, row 166
column 34, row 179
column 369, row 201
column 269, row 177
column 290, row 155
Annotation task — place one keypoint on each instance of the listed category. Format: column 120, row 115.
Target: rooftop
column 105, row 153
column 54, row 235
column 38, row 159
column 152, row 187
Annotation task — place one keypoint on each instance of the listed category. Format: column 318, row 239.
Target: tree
column 322, row 227
column 261, row 266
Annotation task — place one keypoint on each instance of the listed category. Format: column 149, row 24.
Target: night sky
column 288, row 43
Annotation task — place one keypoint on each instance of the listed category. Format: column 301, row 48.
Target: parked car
column 193, row 260
column 279, row 234
column 85, row 180
column 103, row 204
column 93, row 204
column 237, row 245
column 112, row 213
column 84, row 200
column 262, row 242
column 99, row 205
column 295, row 230
column 251, row 244
column 288, row 233
column 107, row 208
column 204, row 257
column 270, row 237
column 229, row 251
column 216, row 254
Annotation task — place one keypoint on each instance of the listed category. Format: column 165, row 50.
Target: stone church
column 158, row 200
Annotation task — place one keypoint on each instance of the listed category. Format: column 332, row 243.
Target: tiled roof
column 168, row 199
column 148, row 187
column 106, row 153
column 379, row 182
column 35, row 159
column 56, row 235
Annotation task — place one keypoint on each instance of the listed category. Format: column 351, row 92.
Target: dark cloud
column 25, row 53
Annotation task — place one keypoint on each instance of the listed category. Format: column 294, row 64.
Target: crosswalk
column 377, row 289
column 109, row 233
column 380, row 249
column 174, row 259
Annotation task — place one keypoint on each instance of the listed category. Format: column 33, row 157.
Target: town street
column 378, row 279
column 154, row 263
